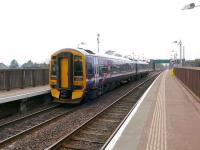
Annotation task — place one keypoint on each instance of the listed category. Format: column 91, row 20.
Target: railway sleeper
column 98, row 138
column 73, row 144
column 120, row 107
column 92, row 127
column 114, row 117
column 119, row 110
column 95, row 131
column 105, row 127
column 114, row 114
column 102, row 119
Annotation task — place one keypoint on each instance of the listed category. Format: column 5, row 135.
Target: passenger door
column 96, row 71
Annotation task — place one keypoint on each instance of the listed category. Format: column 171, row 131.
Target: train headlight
column 78, row 78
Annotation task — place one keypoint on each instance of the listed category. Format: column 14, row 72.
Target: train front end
column 68, row 76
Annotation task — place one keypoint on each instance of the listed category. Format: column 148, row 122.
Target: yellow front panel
column 77, row 94
column 55, row 93
column 64, row 73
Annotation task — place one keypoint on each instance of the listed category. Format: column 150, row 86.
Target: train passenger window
column 78, row 69
column 77, row 58
column 53, row 67
column 113, row 69
column 104, row 69
column 89, row 68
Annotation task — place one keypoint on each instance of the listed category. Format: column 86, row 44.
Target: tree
column 14, row 64
column 44, row 65
column 3, row 66
column 31, row 65
column 28, row 64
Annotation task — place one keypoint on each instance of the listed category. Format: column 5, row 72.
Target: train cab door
column 64, row 71
column 96, row 71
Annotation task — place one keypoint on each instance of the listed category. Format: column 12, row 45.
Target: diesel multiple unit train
column 77, row 73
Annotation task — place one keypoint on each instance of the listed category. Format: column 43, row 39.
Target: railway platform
column 18, row 94
column 167, row 117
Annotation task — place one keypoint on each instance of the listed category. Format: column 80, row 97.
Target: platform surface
column 167, row 117
column 13, row 95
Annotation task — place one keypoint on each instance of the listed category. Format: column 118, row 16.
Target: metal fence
column 190, row 77
column 22, row 78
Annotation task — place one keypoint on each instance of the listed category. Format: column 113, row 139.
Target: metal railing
column 190, row 76
column 22, row 78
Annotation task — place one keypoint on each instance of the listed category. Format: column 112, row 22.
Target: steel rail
column 122, row 122
column 25, row 132
column 27, row 116
column 57, row 144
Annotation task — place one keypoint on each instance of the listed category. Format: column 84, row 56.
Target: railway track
column 95, row 133
column 27, row 116
column 21, row 126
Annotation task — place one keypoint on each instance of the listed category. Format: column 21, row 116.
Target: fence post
column 22, row 78
column 43, row 77
column 198, row 83
column 33, row 77
column 7, row 73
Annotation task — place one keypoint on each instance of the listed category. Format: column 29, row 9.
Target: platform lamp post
column 180, row 44
column 173, row 56
column 98, row 41
column 190, row 6
column 183, row 55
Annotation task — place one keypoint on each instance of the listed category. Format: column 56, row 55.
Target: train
column 78, row 74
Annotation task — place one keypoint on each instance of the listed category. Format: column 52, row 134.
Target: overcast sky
column 35, row 29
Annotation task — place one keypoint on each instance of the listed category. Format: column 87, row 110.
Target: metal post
column 98, row 35
column 180, row 43
column 183, row 55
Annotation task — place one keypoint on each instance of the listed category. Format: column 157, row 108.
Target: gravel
column 20, row 115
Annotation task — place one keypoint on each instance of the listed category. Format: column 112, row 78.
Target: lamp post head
column 178, row 42
column 83, row 43
column 189, row 6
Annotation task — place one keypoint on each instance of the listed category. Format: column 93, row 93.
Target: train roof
column 141, row 62
column 89, row 52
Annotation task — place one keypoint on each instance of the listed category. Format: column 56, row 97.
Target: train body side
column 103, row 73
